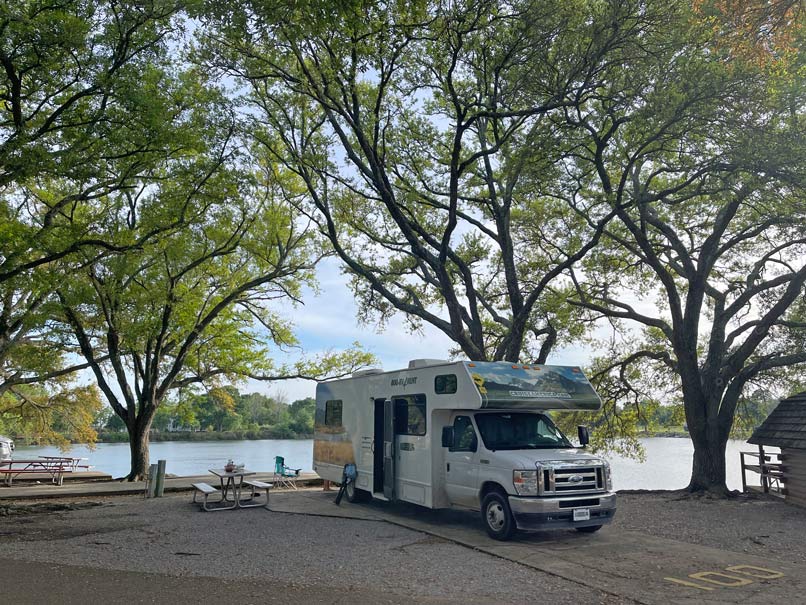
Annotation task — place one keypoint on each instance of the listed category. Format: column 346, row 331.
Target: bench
column 206, row 489
column 256, row 487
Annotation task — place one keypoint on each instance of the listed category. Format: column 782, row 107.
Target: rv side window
column 445, row 384
column 410, row 415
column 333, row 412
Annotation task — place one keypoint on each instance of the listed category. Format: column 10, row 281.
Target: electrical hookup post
column 155, row 481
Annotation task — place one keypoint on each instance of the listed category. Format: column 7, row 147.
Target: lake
column 667, row 466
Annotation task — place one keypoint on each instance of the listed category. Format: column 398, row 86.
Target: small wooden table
column 231, row 483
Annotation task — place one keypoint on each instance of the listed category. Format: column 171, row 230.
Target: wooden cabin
column 785, row 428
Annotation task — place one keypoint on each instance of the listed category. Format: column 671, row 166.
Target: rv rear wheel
column 498, row 519
column 356, row 495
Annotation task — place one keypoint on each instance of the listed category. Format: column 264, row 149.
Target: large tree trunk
column 708, row 467
column 138, row 445
column 138, row 441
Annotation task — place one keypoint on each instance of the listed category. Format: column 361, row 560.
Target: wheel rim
column 495, row 516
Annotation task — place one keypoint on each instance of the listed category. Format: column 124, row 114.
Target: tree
column 62, row 416
column 257, row 409
column 423, row 141
column 196, row 305
column 701, row 156
column 180, row 309
column 302, row 413
column 82, row 124
column 216, row 409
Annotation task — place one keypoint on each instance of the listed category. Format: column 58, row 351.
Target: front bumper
column 558, row 513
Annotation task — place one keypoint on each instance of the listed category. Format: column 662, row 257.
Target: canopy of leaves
column 424, row 137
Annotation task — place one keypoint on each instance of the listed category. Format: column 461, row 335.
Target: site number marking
column 740, row 575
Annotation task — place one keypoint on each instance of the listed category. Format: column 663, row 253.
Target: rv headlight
column 525, row 482
column 608, row 476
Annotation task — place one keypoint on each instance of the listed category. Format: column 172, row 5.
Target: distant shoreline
column 679, row 434
column 199, row 436
column 669, row 433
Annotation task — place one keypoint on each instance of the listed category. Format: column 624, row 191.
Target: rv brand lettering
column 540, row 394
column 402, row 382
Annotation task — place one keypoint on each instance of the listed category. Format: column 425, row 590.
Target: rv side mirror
column 447, row 436
column 584, row 436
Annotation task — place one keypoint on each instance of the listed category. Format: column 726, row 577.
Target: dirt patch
column 43, row 508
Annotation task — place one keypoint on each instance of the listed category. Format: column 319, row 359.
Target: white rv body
column 391, row 425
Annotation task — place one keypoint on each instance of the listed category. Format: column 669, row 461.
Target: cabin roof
column 785, row 426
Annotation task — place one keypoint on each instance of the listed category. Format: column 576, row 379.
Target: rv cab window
column 464, row 435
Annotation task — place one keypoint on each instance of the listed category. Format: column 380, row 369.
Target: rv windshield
column 519, row 431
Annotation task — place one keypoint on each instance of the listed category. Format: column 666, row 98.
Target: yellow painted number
column 761, row 572
column 692, row 584
column 726, row 580
column 710, row 576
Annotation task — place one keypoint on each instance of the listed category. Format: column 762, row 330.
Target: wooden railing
column 771, row 471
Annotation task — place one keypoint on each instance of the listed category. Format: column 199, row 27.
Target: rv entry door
column 388, row 449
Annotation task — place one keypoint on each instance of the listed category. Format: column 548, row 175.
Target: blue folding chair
column 285, row 476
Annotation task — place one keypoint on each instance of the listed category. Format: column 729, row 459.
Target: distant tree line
column 222, row 412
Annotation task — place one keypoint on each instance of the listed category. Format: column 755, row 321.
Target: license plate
column 582, row 514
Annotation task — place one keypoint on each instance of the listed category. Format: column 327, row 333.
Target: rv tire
column 356, row 495
column 497, row 516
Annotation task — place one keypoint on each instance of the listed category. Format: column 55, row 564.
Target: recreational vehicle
column 469, row 435
column 6, row 448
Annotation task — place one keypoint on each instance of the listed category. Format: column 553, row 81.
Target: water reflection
column 190, row 458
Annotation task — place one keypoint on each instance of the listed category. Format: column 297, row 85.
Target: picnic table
column 53, row 466
column 74, row 463
column 232, row 483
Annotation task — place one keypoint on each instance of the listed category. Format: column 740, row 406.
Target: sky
column 327, row 321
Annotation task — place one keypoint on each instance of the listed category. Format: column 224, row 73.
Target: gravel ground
column 169, row 536
column 753, row 524
column 332, row 560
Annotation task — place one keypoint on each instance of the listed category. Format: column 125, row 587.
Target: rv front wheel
column 498, row 520
column 356, row 495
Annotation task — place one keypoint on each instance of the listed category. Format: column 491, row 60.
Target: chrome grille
column 573, row 479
